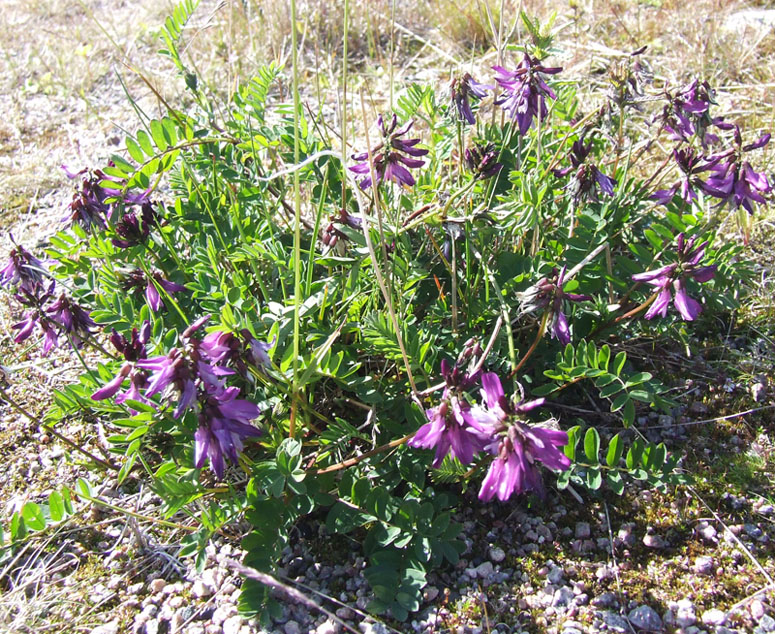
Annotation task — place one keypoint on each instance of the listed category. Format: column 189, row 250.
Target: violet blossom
column 675, row 275
column 587, row 178
column 23, row 270
column 548, row 294
column 482, row 160
column 734, row 181
column 517, row 446
column 138, row 282
column 690, row 165
column 460, row 91
column 389, row 155
column 224, row 425
column 133, row 350
column 131, row 231
column 454, row 426
column 687, row 114
column 525, row 91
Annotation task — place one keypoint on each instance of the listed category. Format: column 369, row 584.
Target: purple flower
column 482, row 160
column 517, row 452
column 548, row 294
column 131, row 231
column 690, row 164
column 687, row 114
column 516, row 446
column 587, row 178
column 138, row 282
column 389, row 155
column 525, row 91
column 72, row 319
column 224, row 424
column 454, row 426
column 734, row 181
column 133, row 350
column 331, row 234
column 675, row 275
column 460, row 90
column 23, row 270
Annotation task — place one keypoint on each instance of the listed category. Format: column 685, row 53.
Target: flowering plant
column 290, row 350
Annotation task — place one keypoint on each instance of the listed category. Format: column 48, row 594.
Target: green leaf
column 638, row 378
column 610, row 390
column 33, row 516
column 135, row 151
column 628, row 414
column 616, row 482
column 605, row 379
column 615, row 450
column 145, row 143
column 604, row 357
column 157, row 132
column 594, row 479
column 56, row 506
column 634, row 454
column 592, row 444
column 573, row 439
column 619, row 360
column 620, row 401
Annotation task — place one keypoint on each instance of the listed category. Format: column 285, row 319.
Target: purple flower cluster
column 391, row 157
column 462, row 430
column 23, row 270
column 460, row 91
column 587, row 178
column 133, row 351
column 548, row 294
column 687, row 114
column 675, row 275
column 138, row 282
column 193, row 377
column 732, row 179
column 482, row 160
column 525, row 91
column 53, row 315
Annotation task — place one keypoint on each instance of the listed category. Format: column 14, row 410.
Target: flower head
column 525, row 91
column 587, row 178
column 482, row 160
column 23, row 270
column 132, row 230
column 224, row 425
column 137, row 281
column 133, row 350
column 460, row 91
column 517, row 446
column 391, row 157
column 690, row 165
column 454, row 426
column 675, row 276
column 548, row 294
column 734, row 181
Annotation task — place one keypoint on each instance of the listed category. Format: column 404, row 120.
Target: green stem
column 297, row 223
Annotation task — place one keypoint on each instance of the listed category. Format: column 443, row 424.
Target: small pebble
column 714, row 617
column 497, row 554
column 645, row 618
column 157, row 585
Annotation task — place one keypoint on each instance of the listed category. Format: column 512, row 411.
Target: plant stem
column 296, row 225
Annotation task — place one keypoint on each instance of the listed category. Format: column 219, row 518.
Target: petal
column 492, row 389
column 659, row 307
column 688, row 307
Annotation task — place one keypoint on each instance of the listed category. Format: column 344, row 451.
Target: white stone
column 714, row 617
column 157, row 585
column 232, row 624
column 201, row 590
